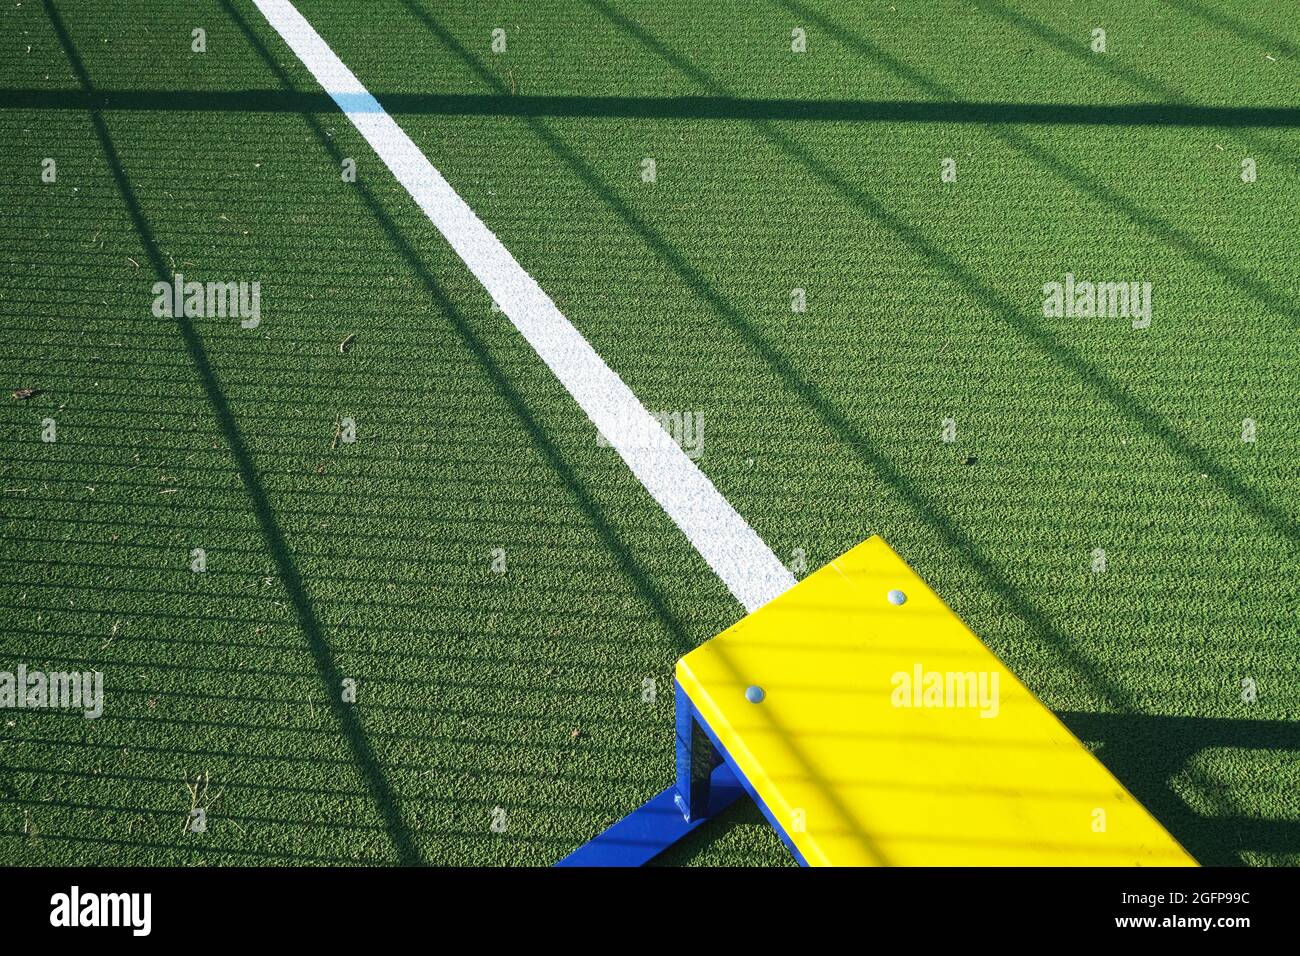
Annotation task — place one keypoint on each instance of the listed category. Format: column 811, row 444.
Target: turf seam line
column 735, row 552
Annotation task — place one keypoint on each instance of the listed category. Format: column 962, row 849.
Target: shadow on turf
column 1277, row 518
column 1246, row 34
column 1148, row 752
column 682, row 641
column 667, row 107
column 475, row 347
column 378, row 785
column 376, row 782
column 1118, row 68
column 719, row 106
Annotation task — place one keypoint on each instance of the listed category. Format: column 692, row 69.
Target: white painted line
column 726, row 541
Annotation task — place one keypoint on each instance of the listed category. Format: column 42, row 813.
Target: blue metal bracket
column 706, row 785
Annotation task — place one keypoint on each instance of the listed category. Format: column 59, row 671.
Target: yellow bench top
column 889, row 735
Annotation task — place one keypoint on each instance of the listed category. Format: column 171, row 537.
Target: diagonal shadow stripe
column 1105, row 692
column 376, row 782
column 666, row 107
column 682, row 641
column 1246, row 282
column 1114, row 394
column 474, row 346
column 1243, row 32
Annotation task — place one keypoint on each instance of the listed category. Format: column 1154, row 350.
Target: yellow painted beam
column 889, row 735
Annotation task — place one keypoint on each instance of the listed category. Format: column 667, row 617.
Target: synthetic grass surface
column 373, row 561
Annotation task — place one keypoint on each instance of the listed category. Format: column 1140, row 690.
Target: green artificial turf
column 482, row 693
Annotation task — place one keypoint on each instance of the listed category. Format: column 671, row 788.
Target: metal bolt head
column 755, row 694
column 896, row 597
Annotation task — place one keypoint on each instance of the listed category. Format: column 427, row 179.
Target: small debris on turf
column 346, row 344
column 338, row 433
column 968, row 460
column 576, row 734
column 22, row 394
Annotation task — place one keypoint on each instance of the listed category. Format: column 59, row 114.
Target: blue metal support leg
column 696, row 758
column 705, row 787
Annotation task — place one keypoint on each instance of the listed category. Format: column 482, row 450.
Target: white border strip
column 731, row 547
